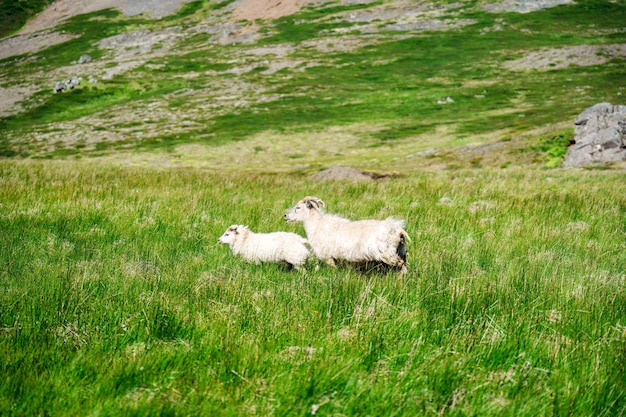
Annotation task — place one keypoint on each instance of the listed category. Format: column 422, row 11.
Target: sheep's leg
column 400, row 263
column 331, row 262
column 300, row 266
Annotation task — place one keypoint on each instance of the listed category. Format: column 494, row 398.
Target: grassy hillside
column 116, row 298
column 15, row 13
column 385, row 85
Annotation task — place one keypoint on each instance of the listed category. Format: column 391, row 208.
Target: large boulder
column 599, row 137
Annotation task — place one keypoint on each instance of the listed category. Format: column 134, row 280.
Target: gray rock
column 61, row 86
column 445, row 100
column 445, row 201
column 600, row 137
column 84, row 59
column 343, row 173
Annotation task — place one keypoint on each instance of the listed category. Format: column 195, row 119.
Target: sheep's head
column 303, row 208
column 230, row 234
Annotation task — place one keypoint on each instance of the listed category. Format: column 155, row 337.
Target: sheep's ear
column 313, row 202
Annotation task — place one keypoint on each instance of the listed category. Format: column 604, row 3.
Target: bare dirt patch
column 267, row 9
column 31, row 42
column 228, row 33
column 345, row 43
column 522, row 6
column 343, row 173
column 133, row 49
column 11, row 97
column 62, row 10
column 127, row 51
column 559, row 58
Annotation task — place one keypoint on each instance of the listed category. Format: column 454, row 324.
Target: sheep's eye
column 297, row 208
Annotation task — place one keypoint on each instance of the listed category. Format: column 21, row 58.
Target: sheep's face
column 301, row 211
column 229, row 235
column 296, row 213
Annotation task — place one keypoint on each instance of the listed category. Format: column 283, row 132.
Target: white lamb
column 334, row 238
column 266, row 247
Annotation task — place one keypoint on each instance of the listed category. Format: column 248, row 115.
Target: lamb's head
column 230, row 235
column 303, row 209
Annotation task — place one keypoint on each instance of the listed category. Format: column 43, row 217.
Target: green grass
column 354, row 87
column 394, row 83
column 90, row 29
column 15, row 13
column 116, row 299
column 554, row 148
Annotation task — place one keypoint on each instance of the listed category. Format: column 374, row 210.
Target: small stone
column 84, row 59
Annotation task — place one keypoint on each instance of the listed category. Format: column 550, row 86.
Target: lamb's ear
column 233, row 228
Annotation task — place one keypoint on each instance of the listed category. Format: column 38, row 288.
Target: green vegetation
column 15, row 13
column 395, row 83
column 70, row 105
column 116, row 298
column 554, row 148
column 306, row 24
column 193, row 7
column 90, row 29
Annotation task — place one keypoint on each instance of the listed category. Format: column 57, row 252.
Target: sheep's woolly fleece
column 334, row 238
column 266, row 247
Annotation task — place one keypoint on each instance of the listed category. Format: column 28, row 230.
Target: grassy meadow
column 117, row 300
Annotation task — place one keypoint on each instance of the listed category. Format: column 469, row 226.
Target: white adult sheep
column 266, row 247
column 334, row 238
